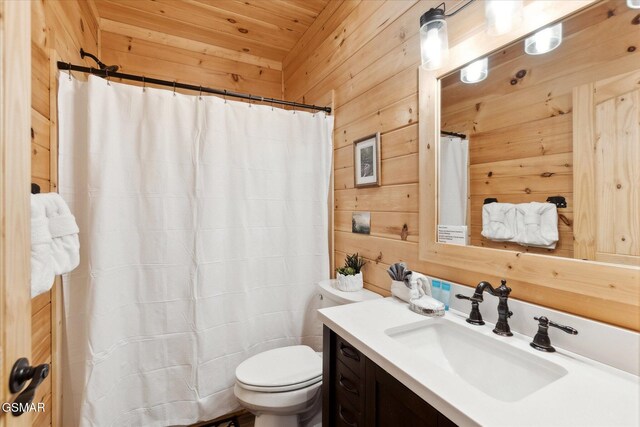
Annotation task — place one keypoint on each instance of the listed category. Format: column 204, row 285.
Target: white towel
column 499, row 221
column 537, row 224
column 400, row 290
column 419, row 287
column 42, row 273
column 64, row 233
column 421, row 284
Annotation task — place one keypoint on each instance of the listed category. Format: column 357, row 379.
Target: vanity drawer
column 352, row 358
column 348, row 385
column 348, row 415
column 358, row 393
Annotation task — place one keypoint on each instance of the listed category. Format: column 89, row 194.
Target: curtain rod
column 106, row 73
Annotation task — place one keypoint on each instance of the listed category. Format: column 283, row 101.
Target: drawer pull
column 349, row 352
column 346, row 384
column 346, row 421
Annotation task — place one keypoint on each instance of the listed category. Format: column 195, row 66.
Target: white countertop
column 590, row 394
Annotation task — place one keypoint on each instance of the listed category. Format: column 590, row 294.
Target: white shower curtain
column 203, row 228
column 454, row 165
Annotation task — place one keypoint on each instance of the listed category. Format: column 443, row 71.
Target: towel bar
column 559, row 201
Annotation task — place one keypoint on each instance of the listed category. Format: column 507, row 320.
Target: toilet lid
column 281, row 369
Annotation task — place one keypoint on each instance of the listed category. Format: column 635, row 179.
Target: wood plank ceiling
column 263, row 28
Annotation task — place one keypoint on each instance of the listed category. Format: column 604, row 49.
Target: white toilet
column 282, row 387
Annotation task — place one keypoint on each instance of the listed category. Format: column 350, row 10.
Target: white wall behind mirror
column 555, row 113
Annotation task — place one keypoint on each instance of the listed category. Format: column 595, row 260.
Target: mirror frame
column 612, row 291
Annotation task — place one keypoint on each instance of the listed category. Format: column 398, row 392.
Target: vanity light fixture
column 475, row 72
column 633, row 4
column 502, row 15
column 434, row 43
column 544, row 40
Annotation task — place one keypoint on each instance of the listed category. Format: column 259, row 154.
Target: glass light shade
column 475, row 72
column 434, row 44
column 544, row 40
column 633, row 4
column 502, row 15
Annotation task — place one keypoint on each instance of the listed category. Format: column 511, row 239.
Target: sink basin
column 493, row 367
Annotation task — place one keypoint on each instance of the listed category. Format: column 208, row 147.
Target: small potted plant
column 350, row 276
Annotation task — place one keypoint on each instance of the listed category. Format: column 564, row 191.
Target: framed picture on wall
column 361, row 222
column 366, row 157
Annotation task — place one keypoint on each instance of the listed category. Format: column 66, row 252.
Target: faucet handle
column 472, row 299
column 475, row 318
column 541, row 340
column 567, row 329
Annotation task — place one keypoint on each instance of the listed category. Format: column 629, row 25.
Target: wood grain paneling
column 222, row 44
column 375, row 80
column 143, row 57
column 58, row 31
column 262, row 28
column 15, row 89
column 520, row 128
column 593, row 285
column 369, row 57
column 158, row 37
column 607, row 163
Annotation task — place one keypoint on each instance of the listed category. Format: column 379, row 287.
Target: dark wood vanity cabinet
column 357, row 393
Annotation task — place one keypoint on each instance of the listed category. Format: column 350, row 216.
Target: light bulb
column 544, row 40
column 434, row 44
column 432, row 48
column 475, row 72
column 502, row 15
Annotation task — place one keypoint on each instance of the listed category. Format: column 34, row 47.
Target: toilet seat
column 278, row 389
column 281, row 369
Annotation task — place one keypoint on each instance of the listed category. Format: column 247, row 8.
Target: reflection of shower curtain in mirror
column 453, row 186
column 203, row 229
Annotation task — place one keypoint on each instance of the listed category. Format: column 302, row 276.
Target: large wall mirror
column 552, row 116
column 510, row 122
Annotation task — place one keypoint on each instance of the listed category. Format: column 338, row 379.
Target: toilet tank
column 331, row 296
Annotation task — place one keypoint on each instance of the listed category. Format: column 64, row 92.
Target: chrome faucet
column 502, row 292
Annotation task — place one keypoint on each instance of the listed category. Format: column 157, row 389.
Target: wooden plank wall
column 58, row 30
column 368, row 53
column 520, row 128
column 617, row 178
column 15, row 235
column 141, row 51
column 607, row 169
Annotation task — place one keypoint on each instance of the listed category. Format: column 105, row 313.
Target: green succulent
column 346, row 271
column 352, row 265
